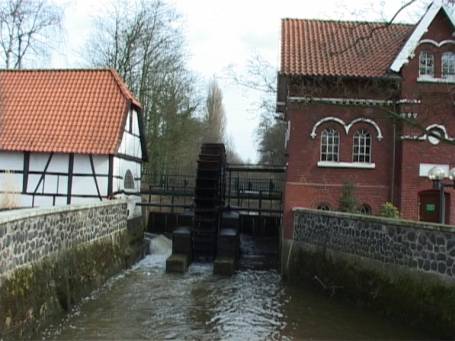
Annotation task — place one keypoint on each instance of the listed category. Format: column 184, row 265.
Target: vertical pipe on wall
column 394, row 145
column 442, row 203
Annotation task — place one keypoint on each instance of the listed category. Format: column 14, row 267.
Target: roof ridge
column 349, row 21
column 123, row 87
column 57, row 70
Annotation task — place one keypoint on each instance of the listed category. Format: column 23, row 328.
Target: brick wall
column 436, row 107
column 396, row 176
column 308, row 185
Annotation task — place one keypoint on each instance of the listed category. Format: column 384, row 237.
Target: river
column 145, row 303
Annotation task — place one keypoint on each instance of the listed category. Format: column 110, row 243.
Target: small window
column 448, row 65
column 426, row 64
column 361, row 145
column 365, row 209
column 324, row 206
column 128, row 180
column 330, row 145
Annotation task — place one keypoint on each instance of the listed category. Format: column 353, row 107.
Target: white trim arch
column 435, row 43
column 347, row 127
column 425, row 136
column 416, row 36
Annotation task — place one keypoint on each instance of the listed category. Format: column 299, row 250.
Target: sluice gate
column 226, row 214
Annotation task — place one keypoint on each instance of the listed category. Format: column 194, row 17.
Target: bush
column 389, row 210
column 348, row 202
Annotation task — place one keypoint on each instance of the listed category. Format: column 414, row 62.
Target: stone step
column 224, row 266
column 177, row 263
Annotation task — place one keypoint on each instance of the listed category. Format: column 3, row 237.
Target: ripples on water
column 146, row 303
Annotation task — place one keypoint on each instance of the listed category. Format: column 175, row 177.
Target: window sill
column 435, row 80
column 331, row 164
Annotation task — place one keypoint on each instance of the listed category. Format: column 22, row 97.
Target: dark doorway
column 429, row 206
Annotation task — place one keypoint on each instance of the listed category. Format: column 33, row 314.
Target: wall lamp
column 437, row 175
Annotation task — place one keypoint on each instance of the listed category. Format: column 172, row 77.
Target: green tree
column 348, row 202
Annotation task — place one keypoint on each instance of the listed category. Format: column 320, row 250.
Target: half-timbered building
column 69, row 136
column 365, row 103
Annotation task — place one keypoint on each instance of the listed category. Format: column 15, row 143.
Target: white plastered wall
column 10, row 181
column 54, row 183
column 129, row 147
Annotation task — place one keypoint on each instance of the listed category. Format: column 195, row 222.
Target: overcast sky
column 223, row 33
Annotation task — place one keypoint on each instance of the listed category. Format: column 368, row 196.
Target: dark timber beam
column 26, row 169
column 44, row 173
column 70, row 178
column 110, row 176
column 92, row 165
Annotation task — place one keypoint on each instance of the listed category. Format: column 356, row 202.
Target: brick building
column 365, row 103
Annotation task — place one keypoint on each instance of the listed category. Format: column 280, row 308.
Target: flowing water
column 146, row 303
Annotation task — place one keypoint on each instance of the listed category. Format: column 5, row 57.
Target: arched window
column 128, row 180
column 323, row 206
column 365, row 209
column 330, row 145
column 426, row 64
column 361, row 147
column 448, row 65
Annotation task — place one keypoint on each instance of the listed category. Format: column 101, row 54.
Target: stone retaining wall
column 51, row 258
column 403, row 269
column 423, row 247
column 28, row 235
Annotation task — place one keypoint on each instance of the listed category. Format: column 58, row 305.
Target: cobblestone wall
column 424, row 247
column 26, row 236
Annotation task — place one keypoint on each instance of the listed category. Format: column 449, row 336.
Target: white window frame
column 426, row 64
column 330, row 145
column 448, row 65
column 362, row 147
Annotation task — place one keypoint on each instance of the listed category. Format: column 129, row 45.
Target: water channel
column 146, row 303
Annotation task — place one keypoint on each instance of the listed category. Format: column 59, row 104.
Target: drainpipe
column 394, row 146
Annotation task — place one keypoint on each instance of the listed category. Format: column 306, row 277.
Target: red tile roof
column 66, row 111
column 335, row 48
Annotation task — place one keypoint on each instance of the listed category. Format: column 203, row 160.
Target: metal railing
column 255, row 193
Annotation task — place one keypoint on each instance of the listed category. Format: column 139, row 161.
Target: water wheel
column 208, row 200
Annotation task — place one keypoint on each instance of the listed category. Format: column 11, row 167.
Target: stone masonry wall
column 423, row 247
column 27, row 236
column 51, row 258
column 402, row 269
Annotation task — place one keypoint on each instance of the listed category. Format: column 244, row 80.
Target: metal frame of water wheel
column 209, row 196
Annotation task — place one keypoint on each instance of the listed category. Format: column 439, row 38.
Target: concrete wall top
column 376, row 219
column 13, row 215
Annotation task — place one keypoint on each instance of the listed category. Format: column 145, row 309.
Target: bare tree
column 26, row 27
column 215, row 117
column 261, row 77
column 231, row 154
column 143, row 42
